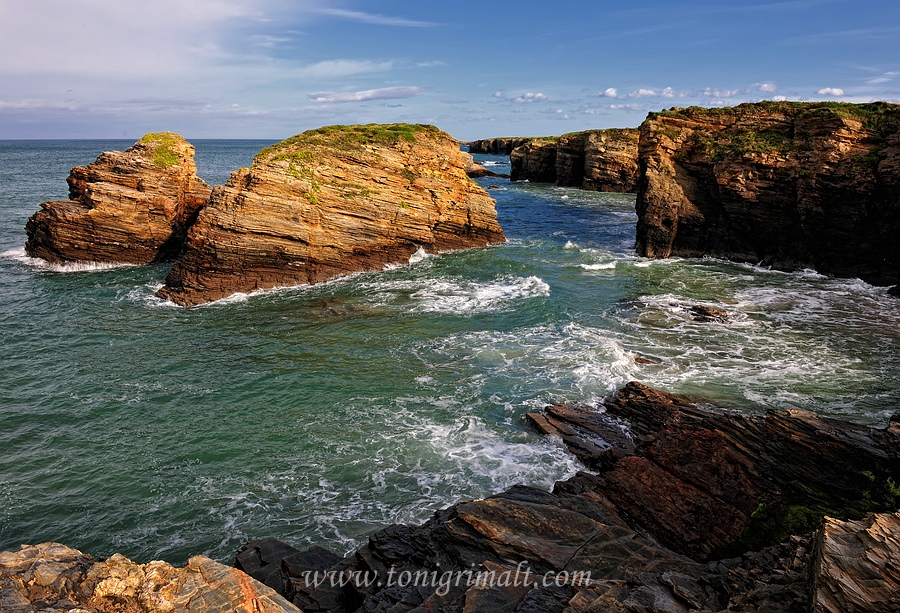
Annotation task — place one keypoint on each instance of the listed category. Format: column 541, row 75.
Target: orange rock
column 132, row 207
column 329, row 202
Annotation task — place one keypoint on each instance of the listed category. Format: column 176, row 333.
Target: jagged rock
column 498, row 146
column 705, row 313
column 53, row 577
column 678, row 486
column 596, row 160
column 856, row 565
column 784, row 184
column 132, row 207
column 329, row 202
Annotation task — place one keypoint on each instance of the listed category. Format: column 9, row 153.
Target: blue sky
column 273, row 68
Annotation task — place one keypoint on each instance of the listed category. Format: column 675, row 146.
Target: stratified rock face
column 596, row 160
column 133, row 207
column 53, row 577
column 329, row 202
column 677, row 488
column 498, row 146
column 856, row 565
column 787, row 185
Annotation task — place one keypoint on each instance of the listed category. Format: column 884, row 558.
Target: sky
column 269, row 69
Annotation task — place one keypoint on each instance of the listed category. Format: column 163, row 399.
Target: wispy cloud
column 384, row 93
column 341, row 68
column 376, row 19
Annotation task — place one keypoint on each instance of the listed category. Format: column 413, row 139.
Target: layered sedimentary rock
column 498, row 146
column 674, row 490
column 787, row 185
column 597, row 160
column 133, row 206
column 53, row 577
column 329, row 202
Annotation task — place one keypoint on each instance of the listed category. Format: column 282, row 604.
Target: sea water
column 318, row 415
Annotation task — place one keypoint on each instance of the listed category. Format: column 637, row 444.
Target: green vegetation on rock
column 162, row 145
column 302, row 148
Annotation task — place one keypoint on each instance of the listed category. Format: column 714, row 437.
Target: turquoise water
column 318, row 415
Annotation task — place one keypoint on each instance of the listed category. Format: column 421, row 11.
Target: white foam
column 463, row 296
column 570, row 245
column 419, row 256
column 19, row 255
column 601, row 266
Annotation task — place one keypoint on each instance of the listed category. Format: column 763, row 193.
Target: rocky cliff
column 683, row 508
column 329, row 202
column 133, row 206
column 598, row 160
column 498, row 146
column 787, row 185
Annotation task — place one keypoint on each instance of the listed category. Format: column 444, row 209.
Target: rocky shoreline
column 681, row 507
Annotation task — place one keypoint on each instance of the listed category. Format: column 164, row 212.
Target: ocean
column 318, row 415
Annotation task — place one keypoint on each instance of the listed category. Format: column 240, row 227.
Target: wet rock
column 703, row 313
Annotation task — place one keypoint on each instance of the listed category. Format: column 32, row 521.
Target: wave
column 20, row 256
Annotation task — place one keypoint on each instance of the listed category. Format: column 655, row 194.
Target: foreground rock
column 133, row 207
column 329, row 202
column 53, row 577
column 596, row 160
column 787, row 185
column 685, row 509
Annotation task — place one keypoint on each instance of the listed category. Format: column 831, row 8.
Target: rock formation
column 596, row 160
column 787, row 185
column 52, row 577
column 498, row 146
column 674, row 491
column 333, row 201
column 131, row 207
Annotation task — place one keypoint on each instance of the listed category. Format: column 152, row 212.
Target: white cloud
column 609, row 92
column 643, row 93
column 498, row 94
column 767, row 87
column 384, row 93
column 831, row 91
column 530, row 97
column 375, row 19
column 710, row 92
column 779, row 98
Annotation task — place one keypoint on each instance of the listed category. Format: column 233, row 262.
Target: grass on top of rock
column 874, row 116
column 162, row 145
column 301, row 147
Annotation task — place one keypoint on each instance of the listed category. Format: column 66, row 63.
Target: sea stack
column 132, row 207
column 330, row 202
column 783, row 184
column 594, row 160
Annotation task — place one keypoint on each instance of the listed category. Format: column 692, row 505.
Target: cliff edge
column 784, row 184
column 329, row 202
column 132, row 207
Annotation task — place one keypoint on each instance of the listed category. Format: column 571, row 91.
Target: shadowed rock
column 783, row 184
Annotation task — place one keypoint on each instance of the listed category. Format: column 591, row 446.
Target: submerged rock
column 133, row 207
column 53, row 577
column 329, row 202
column 676, row 490
column 784, row 184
